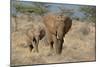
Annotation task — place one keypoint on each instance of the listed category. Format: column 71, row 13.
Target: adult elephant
column 57, row 26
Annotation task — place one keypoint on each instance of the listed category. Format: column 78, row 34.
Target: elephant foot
column 34, row 51
column 51, row 50
column 50, row 54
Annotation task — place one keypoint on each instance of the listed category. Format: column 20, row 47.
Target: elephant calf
column 57, row 26
column 29, row 37
column 36, row 33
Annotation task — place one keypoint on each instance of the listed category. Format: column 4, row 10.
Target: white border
column 5, row 34
column 84, row 2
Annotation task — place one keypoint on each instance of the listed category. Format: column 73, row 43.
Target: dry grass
column 79, row 45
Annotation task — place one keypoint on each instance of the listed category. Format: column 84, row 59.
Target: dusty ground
column 79, row 45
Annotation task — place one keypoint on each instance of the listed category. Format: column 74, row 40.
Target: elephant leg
column 36, row 48
column 30, row 47
column 51, row 51
column 51, row 45
column 50, row 40
column 35, row 45
column 55, row 44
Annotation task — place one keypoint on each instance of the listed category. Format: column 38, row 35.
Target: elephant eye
column 58, row 17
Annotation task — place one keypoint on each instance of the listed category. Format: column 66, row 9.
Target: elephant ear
column 42, row 34
column 68, row 24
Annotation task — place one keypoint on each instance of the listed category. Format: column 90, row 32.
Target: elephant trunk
column 58, row 46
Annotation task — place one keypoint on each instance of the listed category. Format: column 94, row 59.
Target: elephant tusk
column 57, row 37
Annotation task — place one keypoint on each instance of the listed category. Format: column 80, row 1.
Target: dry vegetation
column 79, row 43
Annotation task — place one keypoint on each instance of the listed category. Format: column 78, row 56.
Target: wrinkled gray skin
column 57, row 26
